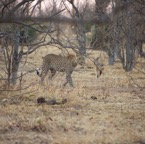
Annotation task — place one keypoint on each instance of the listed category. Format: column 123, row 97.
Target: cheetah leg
column 68, row 80
column 43, row 76
column 65, row 83
column 53, row 72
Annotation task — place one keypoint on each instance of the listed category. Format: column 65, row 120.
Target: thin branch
column 30, row 71
column 38, row 46
column 18, row 6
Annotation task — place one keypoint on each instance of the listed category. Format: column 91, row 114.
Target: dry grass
column 110, row 109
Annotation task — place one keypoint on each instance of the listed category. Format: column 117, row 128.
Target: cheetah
column 54, row 63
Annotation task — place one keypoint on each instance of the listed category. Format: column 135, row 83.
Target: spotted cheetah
column 59, row 63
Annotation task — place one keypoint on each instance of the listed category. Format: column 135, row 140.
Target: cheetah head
column 38, row 71
column 73, row 60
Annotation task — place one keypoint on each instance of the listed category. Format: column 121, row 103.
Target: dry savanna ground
column 107, row 110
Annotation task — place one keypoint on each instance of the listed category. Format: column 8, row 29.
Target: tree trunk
column 82, row 40
column 130, row 55
column 130, row 47
column 81, row 36
column 15, row 59
column 111, row 49
column 80, row 31
column 140, row 48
